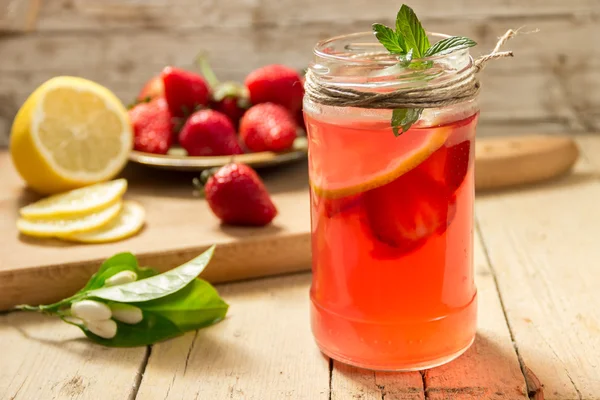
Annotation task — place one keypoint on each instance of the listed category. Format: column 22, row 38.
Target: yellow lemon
column 60, row 227
column 70, row 133
column 127, row 223
column 77, row 202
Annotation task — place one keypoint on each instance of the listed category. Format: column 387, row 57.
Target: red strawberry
column 449, row 165
column 237, row 196
column 232, row 100
column 406, row 212
column 209, row 133
column 152, row 126
column 152, row 89
column 268, row 127
column 276, row 84
column 457, row 164
column 185, row 91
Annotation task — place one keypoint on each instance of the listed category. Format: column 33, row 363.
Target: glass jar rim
column 390, row 60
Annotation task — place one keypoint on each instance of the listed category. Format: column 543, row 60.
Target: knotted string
column 465, row 86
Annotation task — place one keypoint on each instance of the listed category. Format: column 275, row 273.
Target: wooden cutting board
column 180, row 225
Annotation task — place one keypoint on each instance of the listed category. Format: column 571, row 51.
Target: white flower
column 126, row 313
column 106, row 329
column 90, row 310
column 121, row 278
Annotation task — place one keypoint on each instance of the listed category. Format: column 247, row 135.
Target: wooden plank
column 186, row 14
column 45, row 358
column 541, row 241
column 263, row 350
column 348, row 382
column 559, row 84
column 18, row 15
column 179, row 226
column 490, row 368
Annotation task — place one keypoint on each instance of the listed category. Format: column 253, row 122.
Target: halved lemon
column 70, row 133
column 60, row 227
column 345, row 161
column 129, row 222
column 77, row 202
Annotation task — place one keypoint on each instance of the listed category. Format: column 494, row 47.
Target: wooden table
column 536, row 258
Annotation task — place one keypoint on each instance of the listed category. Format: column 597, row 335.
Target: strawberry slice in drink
column 449, row 165
column 405, row 213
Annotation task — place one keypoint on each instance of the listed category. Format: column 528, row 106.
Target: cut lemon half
column 77, row 202
column 129, row 222
column 60, row 227
column 344, row 162
column 69, row 133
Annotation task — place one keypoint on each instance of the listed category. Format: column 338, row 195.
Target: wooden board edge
column 233, row 261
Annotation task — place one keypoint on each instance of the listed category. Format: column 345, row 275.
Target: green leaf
column 193, row 307
column 153, row 328
column 409, row 28
column 449, row 45
column 389, row 39
column 403, row 118
column 115, row 264
column 156, row 286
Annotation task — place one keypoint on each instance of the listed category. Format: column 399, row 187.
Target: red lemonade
column 392, row 232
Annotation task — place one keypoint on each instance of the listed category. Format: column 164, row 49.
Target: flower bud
column 90, row 310
column 126, row 313
column 121, row 278
column 106, row 329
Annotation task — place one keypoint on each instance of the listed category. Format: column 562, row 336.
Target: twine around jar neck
column 465, row 87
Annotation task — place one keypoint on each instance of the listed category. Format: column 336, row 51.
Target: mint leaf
column 410, row 29
column 389, row 39
column 403, row 118
column 450, row 45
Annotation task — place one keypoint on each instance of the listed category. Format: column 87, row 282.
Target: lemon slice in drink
column 77, row 202
column 69, row 133
column 60, row 227
column 129, row 222
column 346, row 162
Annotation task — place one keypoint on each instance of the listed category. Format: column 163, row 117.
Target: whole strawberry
column 237, row 196
column 152, row 126
column 209, row 133
column 231, row 99
column 276, row 84
column 268, row 127
column 185, row 91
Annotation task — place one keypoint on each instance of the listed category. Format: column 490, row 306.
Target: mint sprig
column 409, row 42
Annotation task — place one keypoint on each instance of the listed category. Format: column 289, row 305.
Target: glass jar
column 391, row 217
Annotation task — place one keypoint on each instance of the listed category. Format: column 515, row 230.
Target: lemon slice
column 60, row 227
column 70, row 133
column 129, row 222
column 77, row 202
column 346, row 162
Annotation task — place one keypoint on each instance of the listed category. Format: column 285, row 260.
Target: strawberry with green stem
column 230, row 98
column 237, row 196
